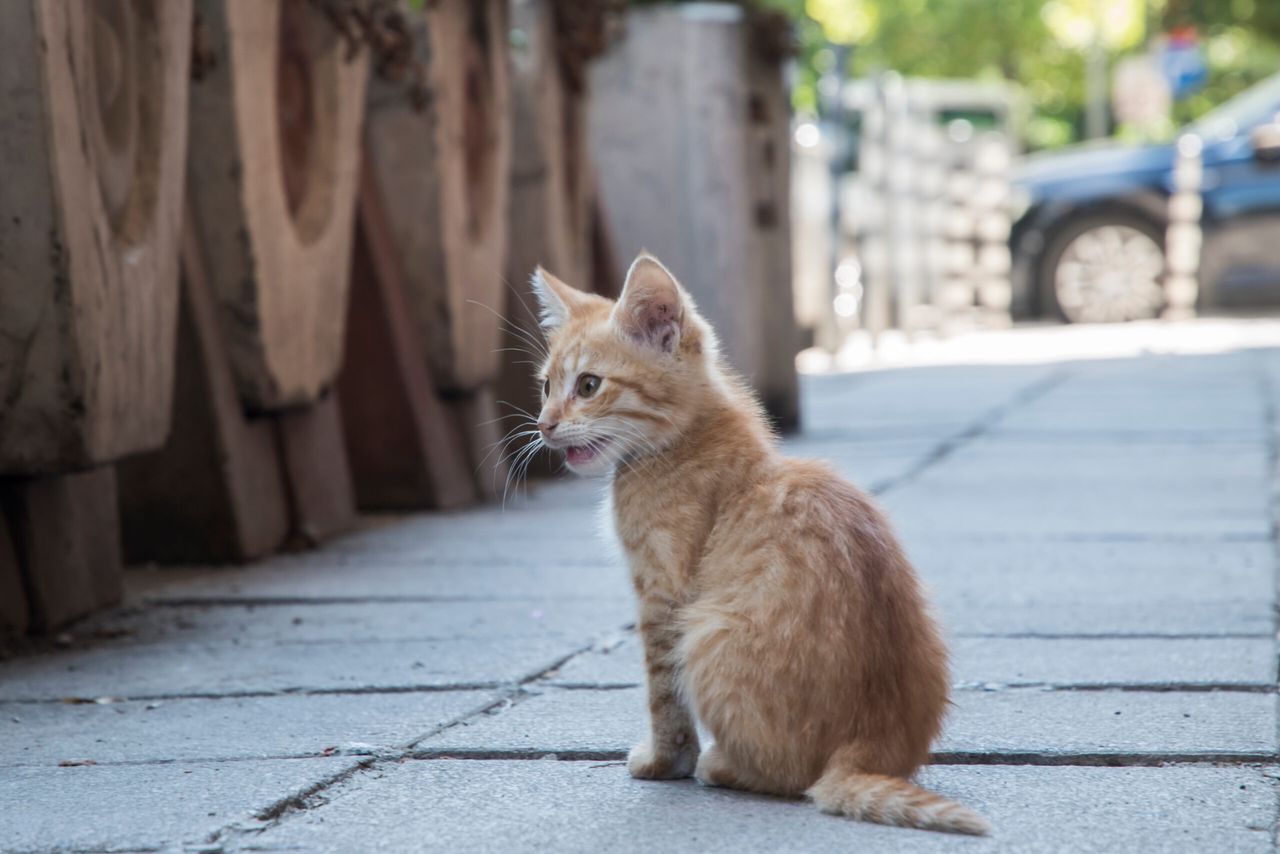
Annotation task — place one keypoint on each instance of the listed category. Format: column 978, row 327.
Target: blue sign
column 1183, row 65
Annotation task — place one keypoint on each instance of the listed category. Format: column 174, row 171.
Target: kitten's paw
column 712, row 770
column 644, row 763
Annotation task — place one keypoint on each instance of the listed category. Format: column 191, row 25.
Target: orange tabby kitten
column 776, row 606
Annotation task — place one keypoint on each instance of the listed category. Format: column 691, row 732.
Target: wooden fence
column 260, row 261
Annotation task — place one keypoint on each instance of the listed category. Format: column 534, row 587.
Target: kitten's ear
column 651, row 310
column 557, row 300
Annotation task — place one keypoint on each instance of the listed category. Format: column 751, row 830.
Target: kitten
column 776, row 606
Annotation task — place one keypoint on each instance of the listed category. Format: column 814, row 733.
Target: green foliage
column 1042, row 45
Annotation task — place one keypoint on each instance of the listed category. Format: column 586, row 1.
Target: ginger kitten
column 776, row 606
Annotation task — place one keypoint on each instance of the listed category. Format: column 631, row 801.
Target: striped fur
column 882, row 799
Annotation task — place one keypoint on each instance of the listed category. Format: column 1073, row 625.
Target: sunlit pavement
column 1093, row 508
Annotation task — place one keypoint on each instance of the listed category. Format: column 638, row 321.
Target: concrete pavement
column 1098, row 530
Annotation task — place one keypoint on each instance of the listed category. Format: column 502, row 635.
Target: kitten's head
column 621, row 379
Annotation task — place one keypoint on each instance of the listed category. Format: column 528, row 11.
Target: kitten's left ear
column 557, row 300
column 651, row 310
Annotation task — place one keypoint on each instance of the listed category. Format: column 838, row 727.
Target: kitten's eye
column 587, row 385
column 546, row 387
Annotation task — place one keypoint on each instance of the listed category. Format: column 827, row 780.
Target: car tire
column 1104, row 267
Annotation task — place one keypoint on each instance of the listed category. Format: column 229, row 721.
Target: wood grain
column 92, row 153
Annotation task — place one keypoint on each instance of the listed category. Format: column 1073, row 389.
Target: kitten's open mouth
column 576, row 455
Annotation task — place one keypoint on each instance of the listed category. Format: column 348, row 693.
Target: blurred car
column 1090, row 245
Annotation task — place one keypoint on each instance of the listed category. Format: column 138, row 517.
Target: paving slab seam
column 88, row 851
column 1111, row 435
column 1126, row 688
column 1024, row 396
column 162, row 601
column 360, row 754
column 1082, row 759
column 988, row 687
column 1117, row 635
column 243, row 695
column 1104, row 759
column 1271, row 419
column 1095, row 537
column 1099, row 635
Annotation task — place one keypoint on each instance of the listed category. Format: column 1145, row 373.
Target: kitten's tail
column 891, row 800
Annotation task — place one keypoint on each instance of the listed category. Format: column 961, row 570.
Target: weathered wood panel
column 769, row 168
column 442, row 175
column 92, row 152
column 321, row 500
column 14, row 617
column 404, row 450
column 275, row 144
column 476, row 416
column 214, row 492
column 552, row 187
column 67, row 537
column 550, row 172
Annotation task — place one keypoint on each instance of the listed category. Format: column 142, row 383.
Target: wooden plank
column 317, row 479
column 769, row 170
column 214, row 492
column 275, row 146
column 551, row 193
column 14, row 617
column 550, row 178
column 404, row 450
column 92, row 172
column 67, row 538
column 442, row 175
column 607, row 270
column 476, row 416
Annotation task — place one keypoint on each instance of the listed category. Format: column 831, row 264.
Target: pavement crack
column 1024, row 396
column 305, row 798
column 316, row 795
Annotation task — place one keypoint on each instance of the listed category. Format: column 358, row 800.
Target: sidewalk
column 1098, row 534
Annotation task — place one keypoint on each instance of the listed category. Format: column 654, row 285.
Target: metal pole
column 1096, row 80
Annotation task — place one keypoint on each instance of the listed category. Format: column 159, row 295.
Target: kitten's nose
column 548, row 427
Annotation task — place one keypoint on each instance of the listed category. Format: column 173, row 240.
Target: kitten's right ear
column 651, row 309
column 556, row 299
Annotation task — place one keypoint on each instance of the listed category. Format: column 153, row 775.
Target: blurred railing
column 921, row 209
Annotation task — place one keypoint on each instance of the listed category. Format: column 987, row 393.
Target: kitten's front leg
column 672, row 749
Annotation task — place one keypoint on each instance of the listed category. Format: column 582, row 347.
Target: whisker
column 502, row 444
column 519, row 410
column 519, row 296
column 527, row 337
column 503, row 418
column 523, row 456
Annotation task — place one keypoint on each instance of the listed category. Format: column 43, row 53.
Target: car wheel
column 1105, row 269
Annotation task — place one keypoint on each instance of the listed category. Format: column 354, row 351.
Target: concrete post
column 1183, row 235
